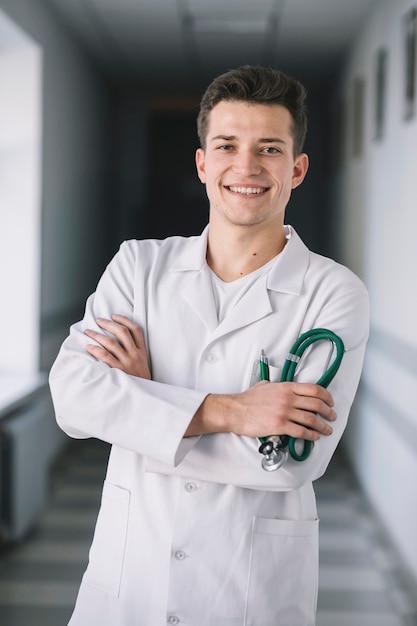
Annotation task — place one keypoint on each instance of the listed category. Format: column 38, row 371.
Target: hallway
column 97, row 111
column 362, row 582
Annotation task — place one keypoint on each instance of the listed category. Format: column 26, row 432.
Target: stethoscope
column 276, row 449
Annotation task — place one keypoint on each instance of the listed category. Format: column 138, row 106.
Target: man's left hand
column 125, row 351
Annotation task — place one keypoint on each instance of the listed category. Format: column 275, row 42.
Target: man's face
column 248, row 165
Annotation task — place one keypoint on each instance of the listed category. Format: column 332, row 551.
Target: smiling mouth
column 248, row 191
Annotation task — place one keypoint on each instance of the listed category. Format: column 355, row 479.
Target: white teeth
column 247, row 190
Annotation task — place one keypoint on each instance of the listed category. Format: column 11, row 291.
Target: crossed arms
column 300, row 410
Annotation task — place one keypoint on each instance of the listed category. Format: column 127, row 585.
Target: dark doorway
column 178, row 203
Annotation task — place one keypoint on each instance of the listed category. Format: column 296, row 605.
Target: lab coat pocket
column 274, row 374
column 107, row 552
column 283, row 576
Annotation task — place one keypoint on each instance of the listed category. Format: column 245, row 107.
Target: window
column 20, row 199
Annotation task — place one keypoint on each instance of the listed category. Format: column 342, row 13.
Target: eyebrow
column 261, row 140
column 224, row 137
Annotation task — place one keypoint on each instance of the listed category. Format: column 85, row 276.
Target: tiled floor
column 362, row 582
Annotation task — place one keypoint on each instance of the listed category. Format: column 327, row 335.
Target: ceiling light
column 229, row 26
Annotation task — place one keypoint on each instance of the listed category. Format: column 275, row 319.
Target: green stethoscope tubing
column 288, row 372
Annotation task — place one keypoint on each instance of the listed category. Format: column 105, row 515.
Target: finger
column 108, row 343
column 135, row 329
column 306, row 428
column 120, row 331
column 298, row 432
column 293, row 401
column 315, row 399
column 312, row 422
column 302, row 416
column 315, row 406
column 103, row 355
column 313, row 391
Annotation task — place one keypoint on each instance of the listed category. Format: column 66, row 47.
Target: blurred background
column 98, row 101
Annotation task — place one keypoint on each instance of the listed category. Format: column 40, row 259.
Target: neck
column 235, row 253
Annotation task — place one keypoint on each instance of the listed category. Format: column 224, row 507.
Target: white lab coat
column 193, row 531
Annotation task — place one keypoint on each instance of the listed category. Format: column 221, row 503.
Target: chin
column 249, row 220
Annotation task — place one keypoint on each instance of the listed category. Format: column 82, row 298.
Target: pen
column 264, row 365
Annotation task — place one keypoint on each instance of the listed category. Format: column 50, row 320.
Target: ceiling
column 180, row 44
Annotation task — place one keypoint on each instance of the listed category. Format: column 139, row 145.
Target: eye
column 225, row 147
column 271, row 150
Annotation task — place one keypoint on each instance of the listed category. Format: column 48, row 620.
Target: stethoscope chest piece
column 273, row 461
column 274, row 456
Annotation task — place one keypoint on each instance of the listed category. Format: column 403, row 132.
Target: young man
column 191, row 529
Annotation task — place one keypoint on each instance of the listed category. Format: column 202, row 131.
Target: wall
column 377, row 198
column 75, row 219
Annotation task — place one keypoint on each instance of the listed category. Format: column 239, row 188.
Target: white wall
column 377, row 198
column 75, row 175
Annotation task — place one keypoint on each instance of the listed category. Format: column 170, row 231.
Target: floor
column 362, row 582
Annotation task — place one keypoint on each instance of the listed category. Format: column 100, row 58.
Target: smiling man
column 249, row 168
column 166, row 366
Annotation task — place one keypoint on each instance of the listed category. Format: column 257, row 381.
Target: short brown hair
column 257, row 85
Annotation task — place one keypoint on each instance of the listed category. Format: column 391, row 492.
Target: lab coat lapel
column 198, row 293
column 285, row 277
column 196, row 287
column 253, row 306
column 288, row 273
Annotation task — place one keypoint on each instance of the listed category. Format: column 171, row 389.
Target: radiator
column 26, row 436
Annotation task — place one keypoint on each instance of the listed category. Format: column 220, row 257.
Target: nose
column 246, row 163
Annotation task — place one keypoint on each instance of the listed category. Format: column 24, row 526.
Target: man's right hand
column 300, row 410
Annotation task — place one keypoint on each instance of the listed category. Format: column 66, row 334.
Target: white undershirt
column 227, row 295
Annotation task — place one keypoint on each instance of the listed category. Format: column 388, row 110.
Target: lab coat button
column 180, row 556
column 173, row 619
column 211, row 358
column 190, row 487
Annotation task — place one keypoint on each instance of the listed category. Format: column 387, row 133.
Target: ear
column 300, row 169
column 201, row 164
